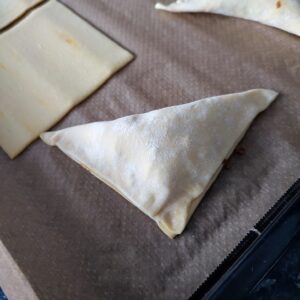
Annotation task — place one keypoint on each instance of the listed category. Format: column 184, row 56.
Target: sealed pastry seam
column 98, row 175
column 164, row 161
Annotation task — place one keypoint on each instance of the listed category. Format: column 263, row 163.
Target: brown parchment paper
column 75, row 238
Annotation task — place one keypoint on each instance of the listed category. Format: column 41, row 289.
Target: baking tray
column 266, row 263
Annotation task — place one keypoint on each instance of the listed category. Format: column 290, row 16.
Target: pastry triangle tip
column 270, row 95
column 160, row 6
column 264, row 96
column 47, row 137
column 166, row 229
column 173, row 7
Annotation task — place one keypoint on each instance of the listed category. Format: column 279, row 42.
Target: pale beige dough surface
column 10, row 10
column 283, row 14
column 49, row 62
column 164, row 161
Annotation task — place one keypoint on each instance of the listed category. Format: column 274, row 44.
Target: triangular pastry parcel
column 165, row 160
column 49, row 62
column 10, row 10
column 283, row 14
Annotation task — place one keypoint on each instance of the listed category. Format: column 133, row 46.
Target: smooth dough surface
column 49, row 62
column 165, row 160
column 283, row 14
column 10, row 10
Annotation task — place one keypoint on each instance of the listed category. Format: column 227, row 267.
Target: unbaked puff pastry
column 49, row 62
column 282, row 14
column 164, row 161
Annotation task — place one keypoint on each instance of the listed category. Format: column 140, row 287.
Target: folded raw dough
column 49, row 62
column 10, row 10
column 164, row 161
column 283, row 14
